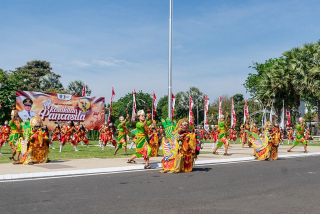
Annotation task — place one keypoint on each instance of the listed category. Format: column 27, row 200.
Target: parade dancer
column 16, row 132
column 122, row 136
column 307, row 135
column 1, row 138
column 245, row 138
column 46, row 132
column 300, row 136
column 281, row 136
column 102, row 132
column 82, row 135
column 266, row 146
column 290, row 135
column 109, row 137
column 153, row 140
column 6, row 130
column 222, row 136
column 142, row 148
column 179, row 147
column 75, row 134
column 56, row 135
column 38, row 150
column 68, row 132
column 233, row 135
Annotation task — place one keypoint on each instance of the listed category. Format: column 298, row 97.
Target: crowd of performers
column 30, row 140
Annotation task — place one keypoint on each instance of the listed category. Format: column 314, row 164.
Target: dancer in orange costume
column 153, row 140
column 56, row 135
column 68, row 136
column 290, row 135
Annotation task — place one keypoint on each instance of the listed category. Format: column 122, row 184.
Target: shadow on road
column 201, row 169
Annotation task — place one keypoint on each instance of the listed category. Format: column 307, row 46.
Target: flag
column 233, row 116
column 154, row 107
column 220, row 109
column 282, row 116
column 84, row 90
column 0, row 84
column 173, row 102
column 110, row 108
column 246, row 111
column 190, row 111
column 134, row 106
column 206, row 107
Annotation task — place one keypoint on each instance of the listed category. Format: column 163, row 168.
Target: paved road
column 283, row 186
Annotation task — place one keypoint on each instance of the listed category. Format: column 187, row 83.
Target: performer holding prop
column 179, row 147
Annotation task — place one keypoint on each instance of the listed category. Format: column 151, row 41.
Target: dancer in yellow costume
column 179, row 147
column 300, row 136
column 38, row 150
column 142, row 147
column 122, row 136
column 265, row 146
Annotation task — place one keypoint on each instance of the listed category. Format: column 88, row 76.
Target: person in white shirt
column 27, row 113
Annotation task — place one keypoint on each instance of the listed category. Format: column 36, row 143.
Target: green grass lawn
column 68, row 152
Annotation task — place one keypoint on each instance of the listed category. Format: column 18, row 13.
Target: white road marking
column 115, row 170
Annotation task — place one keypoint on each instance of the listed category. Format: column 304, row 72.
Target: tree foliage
column 76, row 87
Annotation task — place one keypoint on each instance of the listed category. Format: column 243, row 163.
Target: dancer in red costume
column 56, row 135
column 68, row 135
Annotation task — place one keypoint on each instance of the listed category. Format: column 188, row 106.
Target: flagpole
column 170, row 63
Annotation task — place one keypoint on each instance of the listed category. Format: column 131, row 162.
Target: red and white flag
column 220, row 108
column 206, row 107
column 246, row 111
column 154, row 107
column 173, row 102
column 134, row 106
column 84, row 90
column 0, row 84
column 110, row 108
column 190, row 111
column 233, row 116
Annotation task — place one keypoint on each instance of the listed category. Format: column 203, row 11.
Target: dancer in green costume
column 16, row 132
column 300, row 136
column 142, row 147
column 122, row 136
column 223, row 140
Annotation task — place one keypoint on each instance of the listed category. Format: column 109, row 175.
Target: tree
column 8, row 91
column 50, row 82
column 76, row 87
column 125, row 103
column 28, row 76
column 182, row 103
column 162, row 108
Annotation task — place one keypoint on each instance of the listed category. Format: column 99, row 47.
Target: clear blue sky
column 124, row 43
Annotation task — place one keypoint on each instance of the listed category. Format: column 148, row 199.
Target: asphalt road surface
column 283, row 186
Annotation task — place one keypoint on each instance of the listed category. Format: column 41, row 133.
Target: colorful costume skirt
column 142, row 147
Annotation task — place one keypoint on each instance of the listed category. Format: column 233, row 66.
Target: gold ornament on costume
column 36, row 121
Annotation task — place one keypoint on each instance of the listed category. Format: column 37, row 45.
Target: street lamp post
column 170, row 63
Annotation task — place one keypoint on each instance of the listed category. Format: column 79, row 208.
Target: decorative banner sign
column 61, row 108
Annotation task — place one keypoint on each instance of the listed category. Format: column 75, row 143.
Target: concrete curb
column 71, row 173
